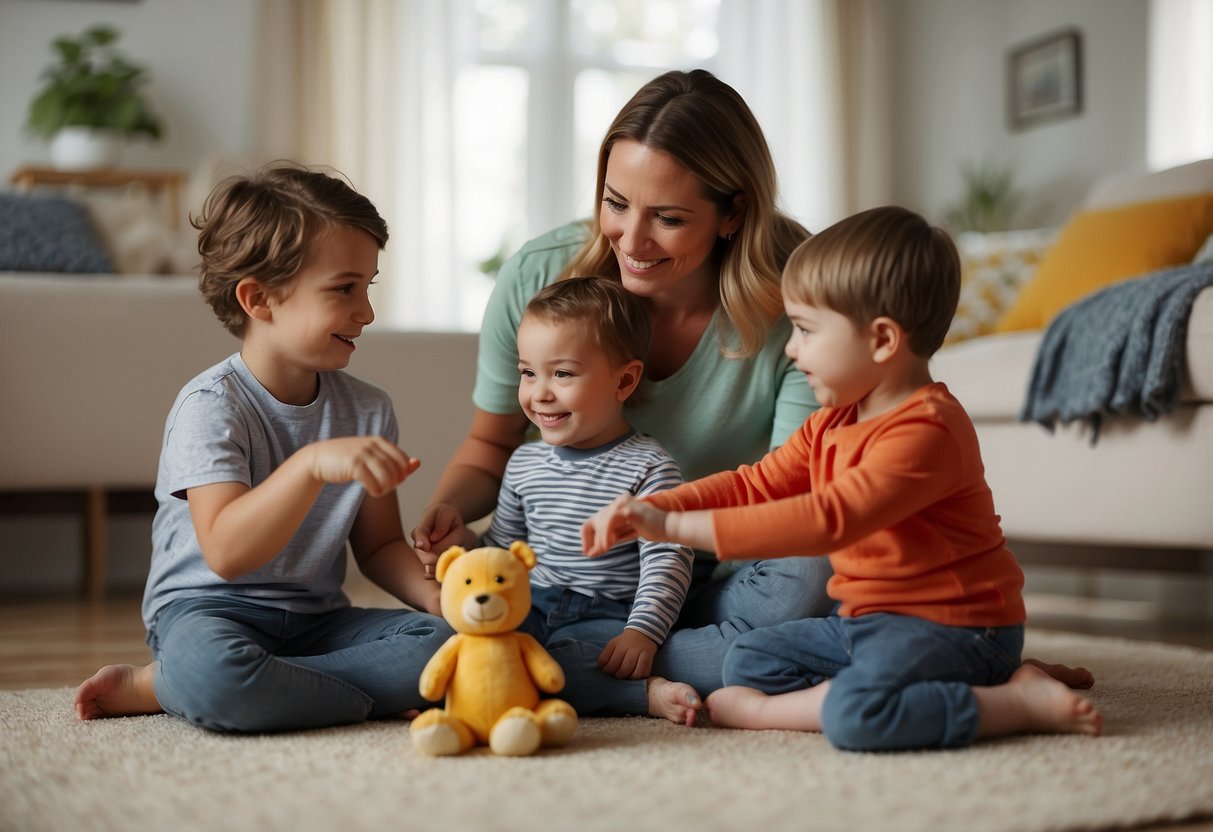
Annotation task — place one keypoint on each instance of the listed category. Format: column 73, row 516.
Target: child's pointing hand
column 371, row 460
column 624, row 518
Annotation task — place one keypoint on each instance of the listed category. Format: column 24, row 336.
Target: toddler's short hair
column 617, row 319
column 261, row 225
column 883, row 262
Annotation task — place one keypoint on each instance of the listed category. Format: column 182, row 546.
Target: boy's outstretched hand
column 372, row 461
column 628, row 655
column 624, row 518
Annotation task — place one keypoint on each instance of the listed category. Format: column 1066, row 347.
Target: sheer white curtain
column 427, row 293
column 815, row 73
column 363, row 86
column 367, row 86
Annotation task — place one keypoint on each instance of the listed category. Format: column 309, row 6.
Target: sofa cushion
column 994, row 266
column 48, row 234
column 1127, row 187
column 131, row 226
column 989, row 376
column 1099, row 248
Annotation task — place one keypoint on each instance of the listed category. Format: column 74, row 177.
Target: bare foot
column 742, row 707
column 117, row 690
column 675, row 701
column 1033, row 702
column 1074, row 677
column 737, row 707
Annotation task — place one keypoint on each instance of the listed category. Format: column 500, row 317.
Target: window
column 533, row 85
column 1180, row 82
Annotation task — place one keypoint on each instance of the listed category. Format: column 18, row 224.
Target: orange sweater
column 899, row 502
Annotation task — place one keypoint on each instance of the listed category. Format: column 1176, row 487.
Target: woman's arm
column 472, row 478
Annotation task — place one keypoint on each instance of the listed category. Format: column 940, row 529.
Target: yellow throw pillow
column 994, row 267
column 1098, row 248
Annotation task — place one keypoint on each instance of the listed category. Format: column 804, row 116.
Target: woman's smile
column 637, row 265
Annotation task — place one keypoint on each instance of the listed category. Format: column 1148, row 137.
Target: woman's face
column 661, row 227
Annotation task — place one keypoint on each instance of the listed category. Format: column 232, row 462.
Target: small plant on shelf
column 91, row 85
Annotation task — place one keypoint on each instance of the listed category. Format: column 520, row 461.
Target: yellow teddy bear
column 489, row 672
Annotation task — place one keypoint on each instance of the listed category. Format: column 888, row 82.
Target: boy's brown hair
column 262, row 225
column 618, row 320
column 882, row 262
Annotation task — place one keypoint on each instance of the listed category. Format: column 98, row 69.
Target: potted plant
column 92, row 99
column 990, row 199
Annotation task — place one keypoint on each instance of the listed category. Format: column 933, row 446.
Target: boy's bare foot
column 1074, row 677
column 742, row 707
column 737, row 707
column 1033, row 702
column 117, row 690
column 676, row 701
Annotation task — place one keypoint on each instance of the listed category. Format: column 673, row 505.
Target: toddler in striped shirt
column 582, row 344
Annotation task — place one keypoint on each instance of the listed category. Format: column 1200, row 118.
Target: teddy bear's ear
column 524, row 553
column 445, row 560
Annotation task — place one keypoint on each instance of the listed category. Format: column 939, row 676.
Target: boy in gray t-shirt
column 272, row 461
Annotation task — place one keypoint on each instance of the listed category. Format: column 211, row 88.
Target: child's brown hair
column 617, row 319
column 262, row 225
column 883, row 262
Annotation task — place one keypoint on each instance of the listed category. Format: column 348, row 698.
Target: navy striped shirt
column 549, row 491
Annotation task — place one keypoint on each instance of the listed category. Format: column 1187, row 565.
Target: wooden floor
column 60, row 642
column 57, row 642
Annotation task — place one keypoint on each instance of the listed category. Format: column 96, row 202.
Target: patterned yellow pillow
column 1098, row 248
column 994, row 266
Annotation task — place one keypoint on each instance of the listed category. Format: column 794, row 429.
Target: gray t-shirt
column 226, row 427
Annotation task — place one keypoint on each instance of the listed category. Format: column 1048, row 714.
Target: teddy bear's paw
column 436, row 735
column 557, row 721
column 516, row 734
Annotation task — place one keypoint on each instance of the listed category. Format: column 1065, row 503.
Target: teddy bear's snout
column 485, row 607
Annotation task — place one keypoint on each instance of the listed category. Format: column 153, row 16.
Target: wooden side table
column 163, row 184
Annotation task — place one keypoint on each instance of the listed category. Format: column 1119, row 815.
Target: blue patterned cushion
column 48, row 234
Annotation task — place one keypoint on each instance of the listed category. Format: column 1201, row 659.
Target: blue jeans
column 575, row 624
column 718, row 610
column 898, row 682
column 558, row 614
column 230, row 665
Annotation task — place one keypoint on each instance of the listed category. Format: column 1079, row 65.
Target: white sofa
column 1142, row 486
column 94, row 363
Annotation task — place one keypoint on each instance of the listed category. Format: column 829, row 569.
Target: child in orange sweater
column 924, row 650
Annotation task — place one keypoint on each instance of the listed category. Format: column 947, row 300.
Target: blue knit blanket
column 1118, row 351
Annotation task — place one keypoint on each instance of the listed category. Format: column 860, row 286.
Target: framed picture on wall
column 1044, row 79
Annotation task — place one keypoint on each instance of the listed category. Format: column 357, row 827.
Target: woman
column 688, row 221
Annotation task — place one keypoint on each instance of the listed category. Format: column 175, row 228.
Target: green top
column 713, row 414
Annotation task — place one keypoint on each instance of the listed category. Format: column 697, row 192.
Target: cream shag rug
column 1154, row 764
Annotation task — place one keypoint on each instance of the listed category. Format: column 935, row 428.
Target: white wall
column 201, row 57
column 949, row 87
column 948, row 67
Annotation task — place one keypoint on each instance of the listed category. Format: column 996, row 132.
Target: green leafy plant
column 92, row 85
column 989, row 202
